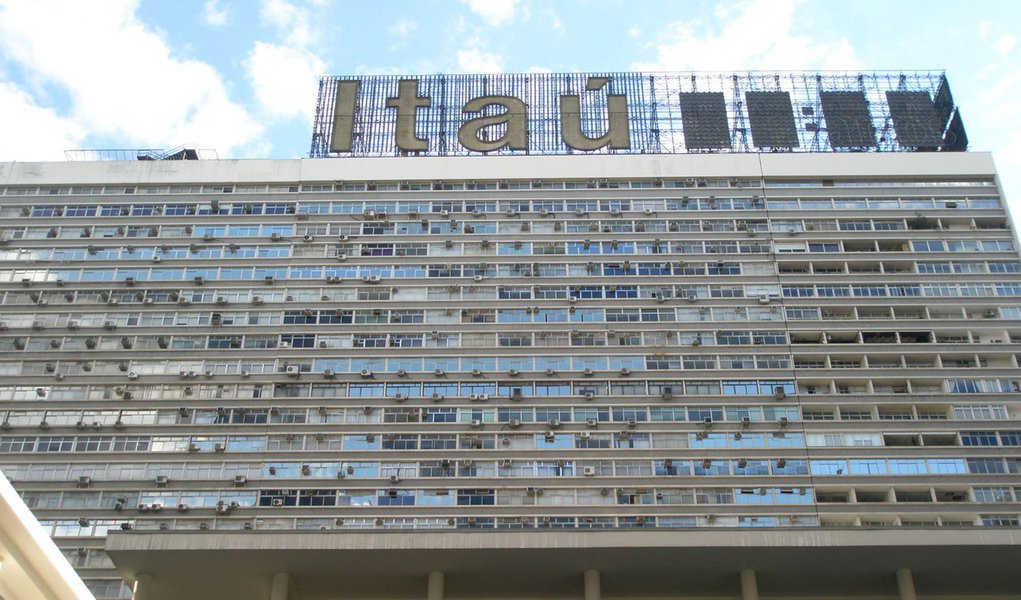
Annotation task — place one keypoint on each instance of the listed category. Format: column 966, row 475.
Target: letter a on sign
column 472, row 134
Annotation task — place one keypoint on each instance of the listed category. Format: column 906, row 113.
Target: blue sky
column 240, row 76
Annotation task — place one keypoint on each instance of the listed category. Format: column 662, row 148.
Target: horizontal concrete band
column 678, row 564
column 873, row 165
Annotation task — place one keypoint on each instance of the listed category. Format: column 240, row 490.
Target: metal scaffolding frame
column 655, row 118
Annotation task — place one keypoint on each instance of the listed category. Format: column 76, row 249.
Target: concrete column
column 593, row 586
column 906, row 584
column 143, row 587
column 281, row 589
column 749, row 585
column 435, row 585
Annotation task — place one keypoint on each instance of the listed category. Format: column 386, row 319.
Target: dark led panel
column 772, row 119
column 914, row 119
column 847, row 119
column 955, row 139
column 944, row 102
column 704, row 117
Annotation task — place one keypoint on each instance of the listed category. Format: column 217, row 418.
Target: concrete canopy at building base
column 832, row 563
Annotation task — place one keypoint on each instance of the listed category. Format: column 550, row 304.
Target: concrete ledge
column 680, row 564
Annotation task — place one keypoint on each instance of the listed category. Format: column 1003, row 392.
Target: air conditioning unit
column 475, row 423
column 591, row 423
column 584, row 435
column 514, row 423
column 588, row 471
column 277, row 502
column 308, row 238
column 365, row 373
column 292, row 370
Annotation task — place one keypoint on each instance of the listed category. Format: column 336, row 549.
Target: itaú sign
column 493, row 122
column 561, row 113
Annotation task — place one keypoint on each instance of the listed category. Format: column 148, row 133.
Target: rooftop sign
column 564, row 113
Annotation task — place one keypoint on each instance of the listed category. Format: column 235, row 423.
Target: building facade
column 671, row 375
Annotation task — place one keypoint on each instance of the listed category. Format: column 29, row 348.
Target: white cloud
column 758, row 34
column 213, row 15
column 1006, row 43
column 121, row 78
column 285, row 79
column 474, row 60
column 402, row 27
column 493, row 12
column 293, row 22
column 552, row 18
column 415, row 66
column 285, row 75
column 992, row 117
column 33, row 132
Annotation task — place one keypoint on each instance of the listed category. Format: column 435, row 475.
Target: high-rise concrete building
column 640, row 351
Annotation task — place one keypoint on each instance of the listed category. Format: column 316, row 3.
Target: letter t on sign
column 407, row 103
